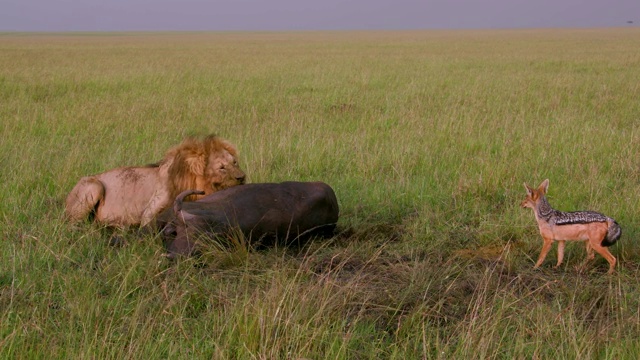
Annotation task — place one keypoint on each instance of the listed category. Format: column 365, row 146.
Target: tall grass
column 426, row 138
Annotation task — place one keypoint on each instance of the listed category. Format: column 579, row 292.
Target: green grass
column 426, row 138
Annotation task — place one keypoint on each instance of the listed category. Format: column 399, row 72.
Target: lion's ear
column 230, row 148
column 196, row 164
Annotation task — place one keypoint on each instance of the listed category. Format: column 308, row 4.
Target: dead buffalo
column 287, row 212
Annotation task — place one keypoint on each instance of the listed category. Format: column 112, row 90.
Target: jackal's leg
column 560, row 252
column 546, row 246
column 590, row 254
column 605, row 254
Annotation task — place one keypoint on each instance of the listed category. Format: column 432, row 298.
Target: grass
column 425, row 136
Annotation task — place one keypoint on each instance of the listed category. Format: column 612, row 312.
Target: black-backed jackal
column 599, row 231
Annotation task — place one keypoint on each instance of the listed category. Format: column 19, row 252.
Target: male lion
column 135, row 195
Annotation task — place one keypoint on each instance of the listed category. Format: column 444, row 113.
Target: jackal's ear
column 529, row 190
column 544, row 186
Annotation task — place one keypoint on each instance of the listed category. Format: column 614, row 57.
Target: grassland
column 426, row 138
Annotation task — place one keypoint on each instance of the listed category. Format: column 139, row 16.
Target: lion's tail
column 177, row 205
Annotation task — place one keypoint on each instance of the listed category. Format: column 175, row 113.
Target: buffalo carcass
column 287, row 212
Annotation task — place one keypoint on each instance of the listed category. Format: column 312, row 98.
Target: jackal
column 599, row 231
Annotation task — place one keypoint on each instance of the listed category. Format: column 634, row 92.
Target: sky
column 288, row 15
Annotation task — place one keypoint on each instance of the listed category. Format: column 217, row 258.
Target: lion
column 135, row 195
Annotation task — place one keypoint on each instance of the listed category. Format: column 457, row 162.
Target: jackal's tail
column 613, row 233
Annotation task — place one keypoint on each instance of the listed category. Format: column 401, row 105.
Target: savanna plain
column 426, row 138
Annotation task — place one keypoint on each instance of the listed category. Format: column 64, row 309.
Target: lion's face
column 222, row 170
column 208, row 165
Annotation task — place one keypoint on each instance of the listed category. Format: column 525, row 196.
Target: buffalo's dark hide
column 286, row 212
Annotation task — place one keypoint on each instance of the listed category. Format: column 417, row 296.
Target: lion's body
column 135, row 195
column 120, row 197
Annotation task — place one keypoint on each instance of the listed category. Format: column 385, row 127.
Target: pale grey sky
column 278, row 15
